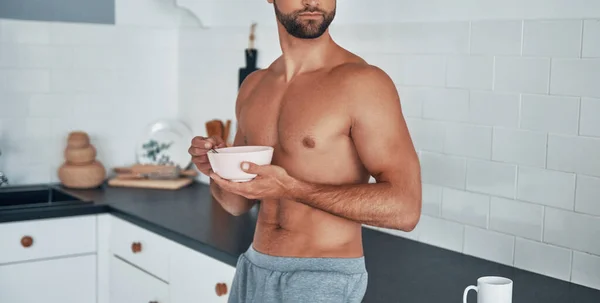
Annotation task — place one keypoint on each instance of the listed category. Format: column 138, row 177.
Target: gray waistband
column 342, row 265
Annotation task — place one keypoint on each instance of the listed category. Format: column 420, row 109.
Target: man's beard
column 310, row 29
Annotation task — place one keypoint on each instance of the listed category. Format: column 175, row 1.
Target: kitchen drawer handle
column 136, row 247
column 26, row 241
column 221, row 289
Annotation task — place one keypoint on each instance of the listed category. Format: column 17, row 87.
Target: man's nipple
column 308, row 142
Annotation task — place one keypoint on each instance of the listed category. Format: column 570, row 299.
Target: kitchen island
column 400, row 270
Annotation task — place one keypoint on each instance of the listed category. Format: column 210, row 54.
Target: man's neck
column 303, row 55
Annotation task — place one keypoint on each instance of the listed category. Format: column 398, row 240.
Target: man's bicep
column 381, row 136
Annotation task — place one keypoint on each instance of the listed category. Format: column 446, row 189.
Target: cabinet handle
column 221, row 289
column 136, row 247
column 26, row 241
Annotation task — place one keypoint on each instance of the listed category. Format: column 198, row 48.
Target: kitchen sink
column 40, row 196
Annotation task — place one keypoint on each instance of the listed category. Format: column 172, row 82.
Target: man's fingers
column 252, row 168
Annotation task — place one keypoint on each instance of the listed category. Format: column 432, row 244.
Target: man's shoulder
column 360, row 77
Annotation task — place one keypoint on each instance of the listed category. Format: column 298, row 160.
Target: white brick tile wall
column 586, row 270
column 426, row 38
column 25, row 80
column 546, row 187
column 517, row 218
column 475, row 72
column 543, row 258
column 574, row 154
column 493, row 37
column 14, row 105
column 494, row 109
column 446, row 104
column 587, row 195
column 552, row 38
column 575, row 77
column 443, row 170
column 411, row 101
column 589, row 124
column 591, row 44
column 432, row 199
column 27, row 32
column 519, row 147
column 491, row 178
column 550, row 114
column 519, row 74
column 569, row 229
column 418, row 70
column 442, row 233
column 468, row 140
column 34, row 56
column 465, row 207
column 426, row 134
column 489, row 245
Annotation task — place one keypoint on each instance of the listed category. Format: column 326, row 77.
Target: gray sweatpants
column 261, row 278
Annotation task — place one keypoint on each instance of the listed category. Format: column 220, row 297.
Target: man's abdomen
column 291, row 229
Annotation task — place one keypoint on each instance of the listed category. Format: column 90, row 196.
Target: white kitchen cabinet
column 195, row 277
column 62, row 280
column 129, row 284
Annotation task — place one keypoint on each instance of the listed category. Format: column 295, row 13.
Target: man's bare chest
column 293, row 119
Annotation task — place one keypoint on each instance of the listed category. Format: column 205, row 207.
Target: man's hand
column 200, row 146
column 271, row 182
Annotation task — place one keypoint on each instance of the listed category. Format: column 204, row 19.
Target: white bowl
column 228, row 160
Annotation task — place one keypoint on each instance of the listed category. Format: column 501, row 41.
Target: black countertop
column 400, row 270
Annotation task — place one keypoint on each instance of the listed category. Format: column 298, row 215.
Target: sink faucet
column 3, row 178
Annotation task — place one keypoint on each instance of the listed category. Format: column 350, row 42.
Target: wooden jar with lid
column 81, row 169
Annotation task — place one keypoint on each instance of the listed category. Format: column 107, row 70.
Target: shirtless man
column 333, row 121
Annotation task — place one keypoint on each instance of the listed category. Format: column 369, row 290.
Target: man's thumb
column 249, row 167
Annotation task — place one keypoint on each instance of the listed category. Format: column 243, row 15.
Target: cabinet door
column 129, row 284
column 195, row 276
column 66, row 280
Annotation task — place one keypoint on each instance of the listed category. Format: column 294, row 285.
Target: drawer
column 47, row 238
column 129, row 284
column 140, row 247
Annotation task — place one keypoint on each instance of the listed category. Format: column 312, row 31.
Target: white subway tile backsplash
column 573, row 230
column 441, row 233
column 426, row 134
column 491, row 178
column 25, row 80
column 411, row 101
column 494, row 109
column 446, row 104
column 575, row 77
column 542, row 258
column 586, row 270
column 475, row 72
column 552, row 38
column 83, row 34
column 550, row 114
column 520, row 74
column 99, row 57
column 519, row 147
column 465, row 207
column 468, row 140
column 489, row 245
column 443, row 170
column 51, row 105
column 587, row 195
column 574, row 154
column 418, row 70
column 90, row 81
column 496, row 37
column 591, row 43
column 13, row 105
column 26, row 32
column 589, row 124
column 432, row 199
column 517, row 218
column 34, row 56
column 425, row 38
column 546, row 187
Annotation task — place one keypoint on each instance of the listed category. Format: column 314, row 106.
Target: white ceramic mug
column 491, row 290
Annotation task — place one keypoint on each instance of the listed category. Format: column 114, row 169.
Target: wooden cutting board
column 153, row 184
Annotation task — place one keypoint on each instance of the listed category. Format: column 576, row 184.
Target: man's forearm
column 376, row 204
column 232, row 203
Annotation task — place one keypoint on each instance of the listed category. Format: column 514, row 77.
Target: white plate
column 165, row 142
